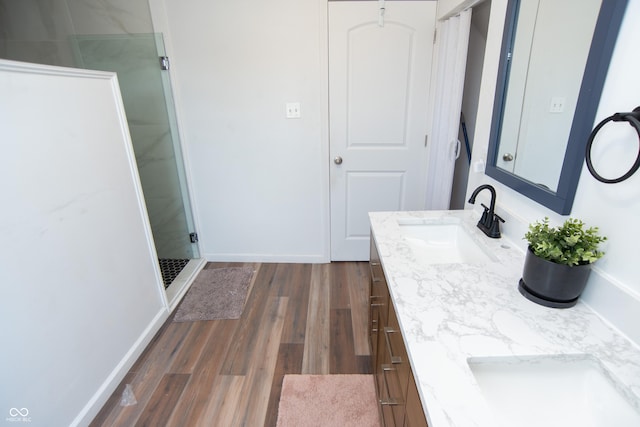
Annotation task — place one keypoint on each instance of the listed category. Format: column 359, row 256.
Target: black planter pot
column 550, row 284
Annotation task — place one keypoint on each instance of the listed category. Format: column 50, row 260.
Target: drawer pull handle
column 389, row 401
column 394, row 359
column 374, row 263
column 378, row 304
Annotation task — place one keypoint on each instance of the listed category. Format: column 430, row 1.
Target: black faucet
column 489, row 222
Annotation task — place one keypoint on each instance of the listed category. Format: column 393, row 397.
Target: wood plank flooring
column 298, row 319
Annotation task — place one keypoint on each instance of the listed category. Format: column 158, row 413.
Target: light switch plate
column 557, row 104
column 293, row 110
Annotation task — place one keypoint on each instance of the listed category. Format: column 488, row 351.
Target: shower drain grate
column 170, row 268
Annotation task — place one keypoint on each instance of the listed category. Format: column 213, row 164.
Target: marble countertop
column 451, row 312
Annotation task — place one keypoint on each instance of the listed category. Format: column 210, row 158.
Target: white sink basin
column 442, row 241
column 550, row 391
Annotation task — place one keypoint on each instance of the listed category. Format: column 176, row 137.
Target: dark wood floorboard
column 343, row 358
column 163, row 401
column 230, row 372
column 289, row 362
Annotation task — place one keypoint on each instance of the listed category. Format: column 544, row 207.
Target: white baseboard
column 107, row 388
column 294, row 259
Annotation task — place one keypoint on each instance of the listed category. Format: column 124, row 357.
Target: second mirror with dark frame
column 555, row 57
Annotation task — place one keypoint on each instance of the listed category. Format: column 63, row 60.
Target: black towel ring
column 634, row 120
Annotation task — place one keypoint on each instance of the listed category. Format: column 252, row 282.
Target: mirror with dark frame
column 555, row 57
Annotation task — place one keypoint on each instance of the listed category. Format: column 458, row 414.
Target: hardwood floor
column 298, row 319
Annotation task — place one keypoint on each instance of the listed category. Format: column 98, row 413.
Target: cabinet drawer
column 397, row 350
column 379, row 300
column 391, row 400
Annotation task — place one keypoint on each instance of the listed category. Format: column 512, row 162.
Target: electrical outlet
column 293, row 110
column 478, row 166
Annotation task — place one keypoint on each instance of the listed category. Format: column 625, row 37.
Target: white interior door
column 379, row 75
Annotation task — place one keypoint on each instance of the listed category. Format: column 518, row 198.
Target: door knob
column 507, row 157
column 337, row 160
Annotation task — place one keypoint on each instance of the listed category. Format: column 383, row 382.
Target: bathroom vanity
column 399, row 402
column 446, row 315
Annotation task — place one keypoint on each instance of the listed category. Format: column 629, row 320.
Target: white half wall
column 81, row 291
column 259, row 180
column 614, row 288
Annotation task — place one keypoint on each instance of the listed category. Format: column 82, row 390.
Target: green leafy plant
column 569, row 244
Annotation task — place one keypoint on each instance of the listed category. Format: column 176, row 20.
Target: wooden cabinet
column 399, row 402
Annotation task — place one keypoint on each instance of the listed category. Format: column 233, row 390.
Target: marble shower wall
column 36, row 31
column 113, row 35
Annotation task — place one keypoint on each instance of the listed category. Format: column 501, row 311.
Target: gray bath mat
column 217, row 293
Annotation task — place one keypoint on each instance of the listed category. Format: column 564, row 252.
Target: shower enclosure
column 146, row 96
column 115, row 35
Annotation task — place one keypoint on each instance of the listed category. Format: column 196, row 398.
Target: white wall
column 81, row 291
column 260, row 181
column 614, row 288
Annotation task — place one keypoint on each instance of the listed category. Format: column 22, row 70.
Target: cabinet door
column 414, row 416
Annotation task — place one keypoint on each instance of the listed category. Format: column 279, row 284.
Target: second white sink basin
column 550, row 391
column 442, row 241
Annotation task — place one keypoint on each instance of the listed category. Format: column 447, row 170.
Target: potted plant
column 558, row 262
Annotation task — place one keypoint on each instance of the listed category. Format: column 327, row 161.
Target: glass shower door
column 148, row 104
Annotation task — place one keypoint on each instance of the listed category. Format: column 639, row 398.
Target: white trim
column 325, row 155
column 53, row 70
column 296, row 259
column 108, row 387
